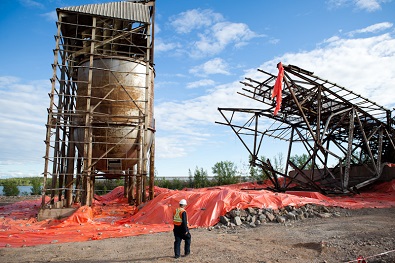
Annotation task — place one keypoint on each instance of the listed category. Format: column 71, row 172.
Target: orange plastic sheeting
column 110, row 216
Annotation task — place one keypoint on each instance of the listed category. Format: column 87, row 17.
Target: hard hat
column 183, row 202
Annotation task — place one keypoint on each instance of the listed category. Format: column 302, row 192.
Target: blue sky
column 203, row 49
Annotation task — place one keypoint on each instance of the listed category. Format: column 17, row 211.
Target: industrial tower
column 101, row 113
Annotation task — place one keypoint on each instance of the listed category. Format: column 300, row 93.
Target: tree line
column 225, row 173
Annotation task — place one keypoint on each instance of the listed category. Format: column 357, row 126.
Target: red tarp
column 277, row 89
column 110, row 216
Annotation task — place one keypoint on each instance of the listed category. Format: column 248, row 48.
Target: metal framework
column 100, row 118
column 347, row 138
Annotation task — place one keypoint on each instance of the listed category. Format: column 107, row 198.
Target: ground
column 365, row 232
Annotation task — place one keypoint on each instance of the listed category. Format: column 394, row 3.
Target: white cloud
column 372, row 29
column 193, row 19
column 221, row 35
column 51, row 16
column 201, row 83
column 213, row 66
column 366, row 5
column 22, row 121
column 161, row 46
column 212, row 31
column 31, row 3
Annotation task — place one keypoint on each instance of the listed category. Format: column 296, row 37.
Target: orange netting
column 110, row 216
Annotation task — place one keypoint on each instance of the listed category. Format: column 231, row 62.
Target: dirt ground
column 366, row 232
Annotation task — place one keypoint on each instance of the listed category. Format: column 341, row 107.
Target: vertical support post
column 289, row 153
column 50, row 111
column 349, row 151
column 139, row 166
column 152, row 169
column 87, row 173
column 126, row 184
column 78, row 181
column 380, row 151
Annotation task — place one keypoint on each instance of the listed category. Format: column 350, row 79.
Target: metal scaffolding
column 100, row 118
column 347, row 138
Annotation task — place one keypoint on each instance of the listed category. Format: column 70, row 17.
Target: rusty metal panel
column 123, row 10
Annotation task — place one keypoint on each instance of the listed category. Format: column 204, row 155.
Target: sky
column 203, row 48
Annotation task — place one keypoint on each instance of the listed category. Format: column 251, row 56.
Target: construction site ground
column 347, row 228
column 361, row 232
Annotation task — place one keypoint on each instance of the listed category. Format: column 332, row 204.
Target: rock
column 280, row 219
column 262, row 217
column 251, row 211
column 237, row 221
column 324, row 215
column 234, row 213
column 243, row 213
column 290, row 216
column 224, row 220
column 270, row 216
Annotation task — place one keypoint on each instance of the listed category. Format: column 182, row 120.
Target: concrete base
column 55, row 213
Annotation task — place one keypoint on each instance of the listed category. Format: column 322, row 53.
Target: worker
column 181, row 231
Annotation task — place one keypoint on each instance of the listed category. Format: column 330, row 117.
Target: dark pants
column 177, row 244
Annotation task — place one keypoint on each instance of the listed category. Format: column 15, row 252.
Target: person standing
column 181, row 231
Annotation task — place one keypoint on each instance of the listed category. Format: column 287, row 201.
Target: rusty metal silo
column 101, row 114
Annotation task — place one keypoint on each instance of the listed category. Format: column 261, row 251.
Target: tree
column 10, row 188
column 301, row 160
column 36, row 186
column 225, row 173
column 200, row 178
column 279, row 162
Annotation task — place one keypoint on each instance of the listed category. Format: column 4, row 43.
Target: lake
column 23, row 190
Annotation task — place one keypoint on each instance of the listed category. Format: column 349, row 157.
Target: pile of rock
column 253, row 217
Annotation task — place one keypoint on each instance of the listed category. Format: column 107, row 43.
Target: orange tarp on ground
column 110, row 216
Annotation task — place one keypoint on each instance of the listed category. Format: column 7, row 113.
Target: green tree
column 225, row 173
column 10, row 188
column 301, row 160
column 36, row 186
column 200, row 178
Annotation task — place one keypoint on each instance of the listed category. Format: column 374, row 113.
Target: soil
column 365, row 232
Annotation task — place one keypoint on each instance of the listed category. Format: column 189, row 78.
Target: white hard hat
column 183, row 202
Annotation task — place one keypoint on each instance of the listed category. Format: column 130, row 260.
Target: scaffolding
column 100, row 118
column 347, row 139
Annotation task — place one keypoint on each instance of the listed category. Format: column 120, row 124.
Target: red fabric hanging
column 277, row 90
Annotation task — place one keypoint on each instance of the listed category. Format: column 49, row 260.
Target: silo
column 101, row 113
column 118, row 90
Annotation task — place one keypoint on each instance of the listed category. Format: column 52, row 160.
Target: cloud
column 213, row 66
column 372, row 29
column 193, row 19
column 51, row 16
column 200, row 83
column 366, row 5
column 221, row 35
column 22, row 121
column 212, row 32
column 31, row 3
column 161, row 46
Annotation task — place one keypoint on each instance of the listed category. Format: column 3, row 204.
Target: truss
column 347, row 138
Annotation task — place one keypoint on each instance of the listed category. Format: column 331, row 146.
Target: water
column 23, row 190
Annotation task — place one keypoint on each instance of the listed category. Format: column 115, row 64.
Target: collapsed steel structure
column 100, row 118
column 347, row 138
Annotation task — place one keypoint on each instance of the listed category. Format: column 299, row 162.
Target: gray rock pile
column 252, row 217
